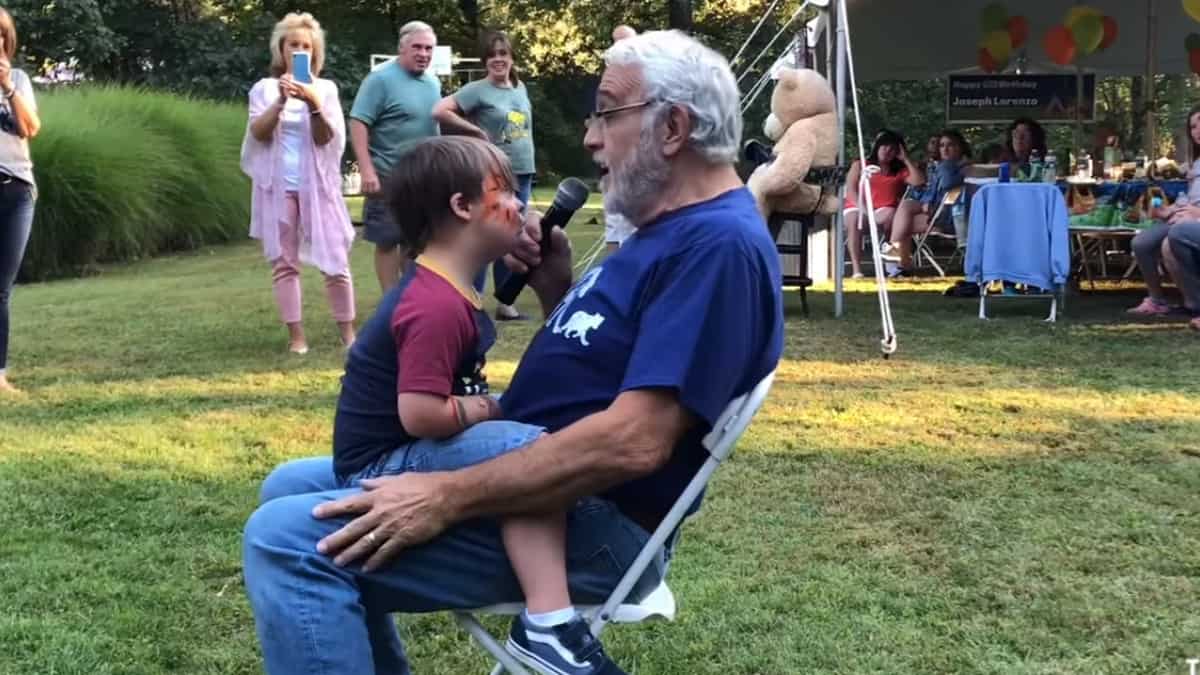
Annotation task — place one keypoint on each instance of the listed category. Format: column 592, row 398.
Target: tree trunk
column 470, row 12
column 679, row 14
column 1137, row 108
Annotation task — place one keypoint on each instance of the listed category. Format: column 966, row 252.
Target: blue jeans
column 315, row 617
column 500, row 271
column 1185, row 244
column 16, row 221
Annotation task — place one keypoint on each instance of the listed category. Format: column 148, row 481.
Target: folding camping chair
column 921, row 248
column 1003, row 213
column 660, row 603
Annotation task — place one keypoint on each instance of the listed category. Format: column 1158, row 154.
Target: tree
column 679, row 14
column 65, row 31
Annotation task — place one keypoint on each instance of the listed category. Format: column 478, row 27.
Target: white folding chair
column 660, row 603
column 921, row 248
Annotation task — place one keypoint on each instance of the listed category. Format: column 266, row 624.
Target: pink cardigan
column 326, row 232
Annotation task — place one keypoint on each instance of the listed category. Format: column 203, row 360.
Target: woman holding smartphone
column 18, row 123
column 293, row 152
column 496, row 109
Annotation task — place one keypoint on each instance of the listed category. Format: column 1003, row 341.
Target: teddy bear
column 803, row 126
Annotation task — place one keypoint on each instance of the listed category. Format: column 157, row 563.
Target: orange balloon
column 1110, row 32
column 988, row 64
column 1018, row 30
column 1060, row 45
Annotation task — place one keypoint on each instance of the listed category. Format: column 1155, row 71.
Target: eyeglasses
column 604, row 114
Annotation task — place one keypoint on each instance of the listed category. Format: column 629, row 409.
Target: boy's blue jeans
column 315, row 617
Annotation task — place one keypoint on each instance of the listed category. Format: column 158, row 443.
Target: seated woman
column 1150, row 246
column 932, row 155
column 1182, row 258
column 896, row 173
column 915, row 215
column 1024, row 136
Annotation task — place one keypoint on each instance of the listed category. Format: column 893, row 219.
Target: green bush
column 126, row 173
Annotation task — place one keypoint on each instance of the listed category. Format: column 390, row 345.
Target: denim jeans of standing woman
column 16, row 220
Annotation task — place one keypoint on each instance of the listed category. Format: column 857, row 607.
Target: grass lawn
column 1000, row 497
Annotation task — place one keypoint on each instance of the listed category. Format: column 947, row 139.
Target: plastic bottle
column 1035, row 167
column 1142, row 164
column 1050, row 175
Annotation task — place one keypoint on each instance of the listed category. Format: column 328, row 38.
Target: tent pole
column 829, row 39
column 1079, row 110
column 1148, row 88
column 839, row 229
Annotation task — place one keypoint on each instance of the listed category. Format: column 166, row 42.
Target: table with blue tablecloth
column 1095, row 242
column 1092, row 244
column 1129, row 191
column 1125, row 192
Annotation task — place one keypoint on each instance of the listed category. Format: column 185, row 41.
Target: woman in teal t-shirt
column 496, row 109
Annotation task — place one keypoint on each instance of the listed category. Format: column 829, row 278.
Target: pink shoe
column 1150, row 307
column 1194, row 324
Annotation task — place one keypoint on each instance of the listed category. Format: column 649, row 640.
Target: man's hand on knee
column 394, row 513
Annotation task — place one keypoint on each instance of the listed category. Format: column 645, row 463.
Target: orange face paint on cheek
column 498, row 204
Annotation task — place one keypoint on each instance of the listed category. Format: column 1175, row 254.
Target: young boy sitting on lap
column 414, row 396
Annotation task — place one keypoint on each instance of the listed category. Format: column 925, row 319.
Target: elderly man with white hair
column 636, row 361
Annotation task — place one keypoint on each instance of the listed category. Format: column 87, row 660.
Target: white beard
column 632, row 189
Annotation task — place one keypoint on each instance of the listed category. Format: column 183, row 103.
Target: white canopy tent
column 864, row 40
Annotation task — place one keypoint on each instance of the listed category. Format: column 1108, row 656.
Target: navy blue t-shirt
column 691, row 302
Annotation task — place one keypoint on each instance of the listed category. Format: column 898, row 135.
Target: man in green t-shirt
column 392, row 111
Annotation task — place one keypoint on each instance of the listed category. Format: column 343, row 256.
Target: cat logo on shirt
column 580, row 323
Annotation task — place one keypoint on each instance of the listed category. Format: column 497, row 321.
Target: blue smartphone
column 301, row 70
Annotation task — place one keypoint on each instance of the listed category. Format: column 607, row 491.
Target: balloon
column 1018, row 31
column 986, row 62
column 1088, row 32
column 1079, row 11
column 994, row 17
column 998, row 44
column 1194, row 61
column 1192, row 43
column 1110, row 32
column 1059, row 45
column 1192, row 7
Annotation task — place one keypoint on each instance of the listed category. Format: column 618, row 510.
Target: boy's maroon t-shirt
column 433, row 327
column 427, row 337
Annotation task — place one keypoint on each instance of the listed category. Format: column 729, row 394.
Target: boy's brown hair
column 430, row 174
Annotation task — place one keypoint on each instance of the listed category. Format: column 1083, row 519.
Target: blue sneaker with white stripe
column 566, row 649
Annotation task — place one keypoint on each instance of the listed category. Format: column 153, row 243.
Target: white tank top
column 291, row 137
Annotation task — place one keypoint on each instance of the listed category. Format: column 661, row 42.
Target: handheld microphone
column 571, row 195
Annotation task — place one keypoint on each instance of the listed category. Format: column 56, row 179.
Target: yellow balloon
column 1079, row 11
column 1192, row 7
column 998, row 43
